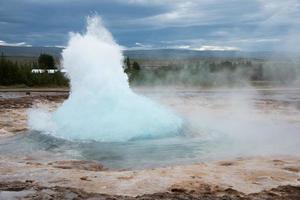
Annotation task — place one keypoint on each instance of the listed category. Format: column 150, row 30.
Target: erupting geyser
column 101, row 106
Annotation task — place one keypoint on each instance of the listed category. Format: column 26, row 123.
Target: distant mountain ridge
column 141, row 54
column 190, row 54
column 29, row 51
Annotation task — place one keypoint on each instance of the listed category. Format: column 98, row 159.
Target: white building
column 40, row 71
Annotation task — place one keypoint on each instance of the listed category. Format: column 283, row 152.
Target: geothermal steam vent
column 101, row 106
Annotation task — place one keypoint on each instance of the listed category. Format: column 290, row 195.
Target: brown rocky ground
column 13, row 111
column 30, row 190
column 244, row 178
column 41, row 177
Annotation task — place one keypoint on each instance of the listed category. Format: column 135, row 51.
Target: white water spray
column 101, row 106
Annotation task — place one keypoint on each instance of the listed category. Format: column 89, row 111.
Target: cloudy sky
column 144, row 24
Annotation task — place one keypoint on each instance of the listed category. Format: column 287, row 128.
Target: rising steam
column 101, row 106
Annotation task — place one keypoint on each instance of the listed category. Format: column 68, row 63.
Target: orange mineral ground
column 253, row 172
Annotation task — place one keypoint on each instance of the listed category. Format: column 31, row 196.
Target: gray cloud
column 246, row 25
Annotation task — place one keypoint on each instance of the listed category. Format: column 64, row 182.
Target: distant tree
column 228, row 66
column 136, row 66
column 213, row 67
column 46, row 61
column 127, row 63
column 14, row 73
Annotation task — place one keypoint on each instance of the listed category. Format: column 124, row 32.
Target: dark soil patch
column 40, row 192
column 27, row 101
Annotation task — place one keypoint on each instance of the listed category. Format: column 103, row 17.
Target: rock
column 29, row 190
column 292, row 169
column 85, row 178
column 14, row 186
column 78, row 164
column 178, row 190
column 226, row 163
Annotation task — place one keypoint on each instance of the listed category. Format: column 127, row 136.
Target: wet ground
column 219, row 124
column 29, row 190
column 242, row 141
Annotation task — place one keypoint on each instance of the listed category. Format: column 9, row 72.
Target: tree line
column 132, row 69
column 191, row 72
column 18, row 73
column 14, row 73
